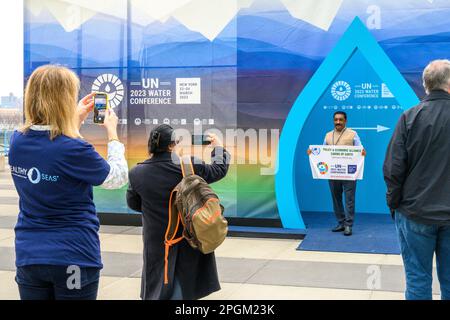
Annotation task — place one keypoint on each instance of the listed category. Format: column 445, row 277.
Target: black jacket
column 151, row 183
column 417, row 164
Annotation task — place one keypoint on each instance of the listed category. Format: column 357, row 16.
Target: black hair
column 340, row 112
column 160, row 139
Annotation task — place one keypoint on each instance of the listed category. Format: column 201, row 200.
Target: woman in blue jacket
column 54, row 171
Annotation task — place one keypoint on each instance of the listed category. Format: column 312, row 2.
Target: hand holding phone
column 110, row 123
column 85, row 106
column 100, row 107
column 215, row 140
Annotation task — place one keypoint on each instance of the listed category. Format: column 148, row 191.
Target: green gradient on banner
column 247, row 195
column 226, row 190
column 111, row 201
column 255, row 193
column 114, row 201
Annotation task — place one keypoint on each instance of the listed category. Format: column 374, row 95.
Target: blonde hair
column 51, row 99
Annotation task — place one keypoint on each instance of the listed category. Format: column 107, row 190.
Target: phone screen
column 100, row 106
column 200, row 140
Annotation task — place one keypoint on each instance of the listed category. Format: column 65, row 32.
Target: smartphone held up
column 100, row 107
column 201, row 140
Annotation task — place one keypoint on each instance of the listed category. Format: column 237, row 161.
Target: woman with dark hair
column 192, row 274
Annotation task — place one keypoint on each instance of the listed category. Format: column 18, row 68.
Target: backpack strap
column 174, row 217
column 171, row 233
column 186, row 166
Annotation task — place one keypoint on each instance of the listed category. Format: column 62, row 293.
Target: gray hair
column 436, row 75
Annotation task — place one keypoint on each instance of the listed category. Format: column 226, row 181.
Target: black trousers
column 338, row 188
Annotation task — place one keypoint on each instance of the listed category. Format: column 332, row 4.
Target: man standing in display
column 343, row 136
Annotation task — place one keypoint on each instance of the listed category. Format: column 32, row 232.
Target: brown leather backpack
column 198, row 207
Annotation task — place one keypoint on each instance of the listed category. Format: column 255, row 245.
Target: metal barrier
column 5, row 136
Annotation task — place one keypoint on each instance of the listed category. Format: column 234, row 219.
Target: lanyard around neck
column 340, row 136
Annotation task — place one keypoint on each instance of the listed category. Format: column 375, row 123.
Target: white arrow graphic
column 378, row 128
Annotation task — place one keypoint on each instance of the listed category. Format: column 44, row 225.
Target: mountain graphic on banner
column 357, row 39
column 208, row 17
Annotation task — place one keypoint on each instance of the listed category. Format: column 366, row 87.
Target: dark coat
column 417, row 164
column 151, row 183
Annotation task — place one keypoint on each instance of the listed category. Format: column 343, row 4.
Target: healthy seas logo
column 341, row 90
column 315, row 151
column 323, row 168
column 33, row 175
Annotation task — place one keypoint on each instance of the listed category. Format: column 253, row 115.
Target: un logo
column 341, row 90
column 112, row 85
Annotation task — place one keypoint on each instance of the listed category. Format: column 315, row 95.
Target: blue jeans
column 47, row 282
column 418, row 243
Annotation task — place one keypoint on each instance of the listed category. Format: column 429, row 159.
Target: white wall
column 11, row 47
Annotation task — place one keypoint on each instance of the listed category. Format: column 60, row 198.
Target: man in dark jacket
column 192, row 274
column 417, row 174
